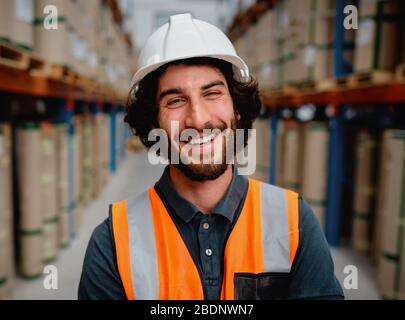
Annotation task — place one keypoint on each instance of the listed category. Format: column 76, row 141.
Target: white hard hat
column 184, row 37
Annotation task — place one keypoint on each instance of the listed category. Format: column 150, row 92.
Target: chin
column 202, row 172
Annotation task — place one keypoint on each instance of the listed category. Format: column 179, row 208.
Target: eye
column 175, row 103
column 213, row 94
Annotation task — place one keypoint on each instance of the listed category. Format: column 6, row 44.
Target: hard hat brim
column 241, row 70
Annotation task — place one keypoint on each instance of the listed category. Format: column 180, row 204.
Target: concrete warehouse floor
column 134, row 175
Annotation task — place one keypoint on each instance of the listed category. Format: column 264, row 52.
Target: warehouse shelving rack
column 22, row 82
column 338, row 98
column 66, row 97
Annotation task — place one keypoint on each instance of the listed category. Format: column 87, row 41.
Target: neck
column 204, row 195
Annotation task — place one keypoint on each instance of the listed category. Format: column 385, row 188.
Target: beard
column 202, row 172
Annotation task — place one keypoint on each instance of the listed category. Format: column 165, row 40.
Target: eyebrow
column 179, row 90
column 212, row 84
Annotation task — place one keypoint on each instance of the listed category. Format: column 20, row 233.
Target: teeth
column 202, row 140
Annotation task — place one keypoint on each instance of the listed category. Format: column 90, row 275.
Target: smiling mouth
column 198, row 141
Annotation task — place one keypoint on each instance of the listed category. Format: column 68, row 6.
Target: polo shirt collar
column 226, row 207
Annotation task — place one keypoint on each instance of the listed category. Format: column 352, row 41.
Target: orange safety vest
column 155, row 264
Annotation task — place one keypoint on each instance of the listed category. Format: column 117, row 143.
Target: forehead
column 181, row 74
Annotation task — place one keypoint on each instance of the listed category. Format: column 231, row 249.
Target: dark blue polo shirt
column 312, row 275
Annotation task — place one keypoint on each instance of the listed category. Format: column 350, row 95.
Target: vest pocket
column 262, row 286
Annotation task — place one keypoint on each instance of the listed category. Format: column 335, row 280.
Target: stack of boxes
column 315, row 159
column 291, row 43
column 364, row 191
column 30, row 227
column 49, row 195
column 6, row 213
column 77, row 172
column 79, row 34
column 16, row 18
column 52, row 184
column 265, row 68
column 389, row 237
column 379, row 38
column 53, row 43
column 87, row 152
column 262, row 149
column 62, row 177
column 293, row 149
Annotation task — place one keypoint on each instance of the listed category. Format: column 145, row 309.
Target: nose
column 198, row 115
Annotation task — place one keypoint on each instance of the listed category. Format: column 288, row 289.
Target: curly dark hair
column 142, row 109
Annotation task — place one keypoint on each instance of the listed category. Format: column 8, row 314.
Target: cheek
column 223, row 109
column 167, row 116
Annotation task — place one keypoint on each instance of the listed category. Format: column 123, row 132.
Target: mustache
column 189, row 133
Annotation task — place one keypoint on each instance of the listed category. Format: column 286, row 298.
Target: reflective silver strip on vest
column 275, row 230
column 142, row 247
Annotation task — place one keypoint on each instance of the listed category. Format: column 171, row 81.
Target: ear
column 238, row 116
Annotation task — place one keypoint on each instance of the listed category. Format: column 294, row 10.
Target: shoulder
column 313, row 267
column 271, row 189
column 100, row 278
column 100, row 241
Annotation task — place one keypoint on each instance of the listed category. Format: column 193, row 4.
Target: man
column 203, row 231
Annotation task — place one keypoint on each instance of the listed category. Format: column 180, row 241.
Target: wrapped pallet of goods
column 292, row 155
column 97, row 159
column 120, row 144
column 49, row 193
column 280, row 153
column 87, row 152
column 53, row 38
column 105, row 68
column 16, row 18
column 62, row 187
column 378, row 39
column 262, row 127
column 266, row 53
column 6, row 214
column 251, row 46
column 77, row 171
column 106, row 146
column 279, row 40
column 390, row 216
column 120, row 60
column 363, row 191
column 30, row 226
column 316, row 44
column 293, row 70
column 315, row 167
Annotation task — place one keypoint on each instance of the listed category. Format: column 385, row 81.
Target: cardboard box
column 262, row 127
column 323, row 67
column 54, row 46
column 6, row 214
column 373, row 51
column 364, row 191
column 315, row 167
column 324, row 30
column 16, row 18
column 390, row 232
column 292, row 158
column 280, row 153
column 368, row 8
column 30, row 200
